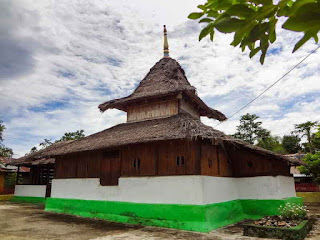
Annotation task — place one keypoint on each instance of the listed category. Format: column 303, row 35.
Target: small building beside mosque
column 163, row 167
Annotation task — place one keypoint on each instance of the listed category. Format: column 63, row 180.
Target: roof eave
column 205, row 110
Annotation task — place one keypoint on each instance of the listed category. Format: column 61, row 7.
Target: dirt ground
column 26, row 221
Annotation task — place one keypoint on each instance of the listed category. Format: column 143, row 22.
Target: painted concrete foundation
column 196, row 203
column 30, row 191
column 195, row 190
column 200, row 218
column 29, row 194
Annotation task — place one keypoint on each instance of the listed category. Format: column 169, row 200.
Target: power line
column 270, row 86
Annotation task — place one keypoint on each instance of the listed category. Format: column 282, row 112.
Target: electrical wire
column 269, row 86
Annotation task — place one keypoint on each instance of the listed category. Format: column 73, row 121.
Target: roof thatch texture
column 181, row 126
column 165, row 78
column 29, row 159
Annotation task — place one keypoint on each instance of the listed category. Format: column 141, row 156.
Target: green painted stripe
column 201, row 218
column 35, row 200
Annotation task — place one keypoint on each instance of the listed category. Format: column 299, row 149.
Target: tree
column 2, row 128
column 315, row 139
column 250, row 129
column 254, row 21
column 4, row 151
column 305, row 129
column 312, row 166
column 73, row 135
column 67, row 136
column 271, row 143
column 34, row 149
column 291, row 143
column 46, row 143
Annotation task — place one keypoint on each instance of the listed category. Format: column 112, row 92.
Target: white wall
column 219, row 189
column 178, row 190
column 198, row 190
column 30, row 190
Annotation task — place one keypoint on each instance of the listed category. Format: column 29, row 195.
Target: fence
column 307, row 187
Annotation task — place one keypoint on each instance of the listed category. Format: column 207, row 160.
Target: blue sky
column 61, row 59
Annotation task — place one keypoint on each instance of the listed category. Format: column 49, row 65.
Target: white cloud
column 74, row 55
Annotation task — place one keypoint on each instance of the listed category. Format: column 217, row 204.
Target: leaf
column 262, row 57
column 213, row 14
column 263, row 2
column 228, row 25
column 240, row 10
column 211, row 35
column 202, row 7
column 297, row 5
column 207, row 20
column 195, row 15
column 254, row 52
column 223, row 4
column 284, row 11
column 205, row 31
column 238, row 36
column 302, row 41
column 306, row 18
column 265, row 11
column 272, row 30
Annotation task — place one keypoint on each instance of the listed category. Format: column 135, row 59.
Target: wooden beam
column 17, row 178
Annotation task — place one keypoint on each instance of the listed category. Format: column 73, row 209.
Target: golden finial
column 165, row 43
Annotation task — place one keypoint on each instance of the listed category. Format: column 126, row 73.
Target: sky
column 60, row 59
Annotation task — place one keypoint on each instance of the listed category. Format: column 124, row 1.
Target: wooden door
column 110, row 169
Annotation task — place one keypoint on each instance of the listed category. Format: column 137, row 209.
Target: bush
column 292, row 211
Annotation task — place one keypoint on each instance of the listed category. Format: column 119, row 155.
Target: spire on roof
column 165, row 43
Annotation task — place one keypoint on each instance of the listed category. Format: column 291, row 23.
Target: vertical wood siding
column 152, row 111
column 214, row 161
column 176, row 157
column 249, row 164
column 186, row 107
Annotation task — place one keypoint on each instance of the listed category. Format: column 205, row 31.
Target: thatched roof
column 36, row 158
column 165, row 78
column 181, row 126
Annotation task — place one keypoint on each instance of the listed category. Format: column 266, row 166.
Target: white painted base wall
column 197, row 190
column 30, row 190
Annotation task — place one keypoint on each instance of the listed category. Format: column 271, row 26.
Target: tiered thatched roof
column 165, row 78
column 181, row 126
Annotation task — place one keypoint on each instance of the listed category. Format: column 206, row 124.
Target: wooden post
column 17, row 178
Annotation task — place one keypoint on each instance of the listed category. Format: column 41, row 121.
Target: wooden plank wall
column 214, row 162
column 249, row 164
column 152, row 110
column 178, row 157
column 78, row 165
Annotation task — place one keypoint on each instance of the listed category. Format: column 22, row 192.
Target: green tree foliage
column 315, row 139
column 67, row 136
column 2, row 128
column 312, row 166
column 272, row 143
column 46, row 143
column 73, row 135
column 4, row 151
column 291, row 143
column 250, row 129
column 305, row 129
column 253, row 22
